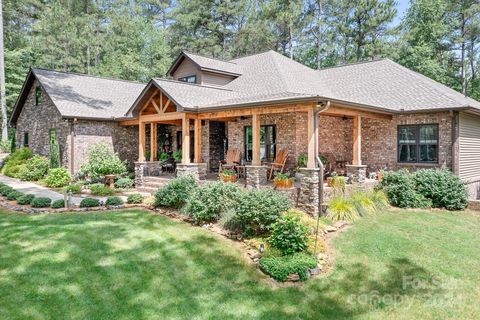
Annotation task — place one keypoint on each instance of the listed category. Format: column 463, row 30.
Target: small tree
column 102, row 161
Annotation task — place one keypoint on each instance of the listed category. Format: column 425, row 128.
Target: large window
column 189, row 79
column 267, row 143
column 418, row 143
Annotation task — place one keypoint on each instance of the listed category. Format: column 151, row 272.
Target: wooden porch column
column 357, row 140
column 185, row 139
column 198, row 141
column 256, row 140
column 141, row 141
column 311, row 139
column 153, row 141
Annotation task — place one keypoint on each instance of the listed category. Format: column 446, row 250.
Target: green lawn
column 136, row 265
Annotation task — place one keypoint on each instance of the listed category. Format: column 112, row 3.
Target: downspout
column 319, row 109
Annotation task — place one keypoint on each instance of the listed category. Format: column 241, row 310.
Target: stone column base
column 357, row 174
column 256, row 176
column 197, row 170
column 140, row 173
column 308, row 196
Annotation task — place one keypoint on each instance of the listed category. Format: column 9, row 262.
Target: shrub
column 114, row 201
column 341, row 208
column 339, row 183
column 363, row 203
column 5, row 190
column 57, row 204
column 124, row 183
column 15, row 161
column 228, row 221
column 307, row 220
column 442, row 187
column 380, row 199
column 135, row 198
column 257, row 210
column 34, row 169
column 25, row 199
column 101, row 190
column 302, row 160
column 280, row 267
column 176, row 193
column 73, row 188
column 14, row 195
column 289, row 235
column 177, row 155
column 209, row 200
column 57, row 177
column 89, row 203
column 41, row 202
column 400, row 189
column 102, row 161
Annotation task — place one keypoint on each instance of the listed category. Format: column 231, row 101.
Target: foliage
column 289, row 235
column 162, row 156
column 14, row 195
column 257, row 210
column 228, row 173
column 57, row 177
column 41, row 202
column 89, row 203
column 74, row 188
column 281, row 177
column 176, row 193
column 124, row 183
column 5, row 190
column 177, row 155
column 380, row 199
column 400, row 188
column 135, row 198
column 34, row 169
column 57, row 204
column 443, row 188
column 114, row 201
column 101, row 190
column 307, row 220
column 341, row 208
column 15, row 161
column 102, row 161
column 54, row 150
column 25, row 199
column 302, row 160
column 209, row 200
column 339, row 183
column 280, row 267
column 363, row 203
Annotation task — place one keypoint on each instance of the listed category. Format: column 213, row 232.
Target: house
column 365, row 116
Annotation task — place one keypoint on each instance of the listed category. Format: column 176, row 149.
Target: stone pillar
column 308, row 196
column 140, row 172
column 256, row 176
column 357, row 173
column 198, row 170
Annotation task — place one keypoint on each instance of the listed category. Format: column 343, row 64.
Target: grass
column 136, row 265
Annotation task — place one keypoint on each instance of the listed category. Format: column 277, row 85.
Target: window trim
column 185, row 79
column 245, row 150
column 417, row 143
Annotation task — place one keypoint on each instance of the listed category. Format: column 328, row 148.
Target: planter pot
column 283, row 184
column 380, row 176
column 231, row 179
column 110, row 180
column 330, row 182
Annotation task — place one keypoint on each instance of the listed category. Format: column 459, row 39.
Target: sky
column 402, row 7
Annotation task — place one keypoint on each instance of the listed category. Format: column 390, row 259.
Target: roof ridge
column 252, row 54
column 279, row 71
column 193, row 84
column 86, row 75
column 348, row 64
column 203, row 56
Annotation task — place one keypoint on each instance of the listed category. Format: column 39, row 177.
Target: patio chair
column 278, row 164
column 232, row 159
column 168, row 165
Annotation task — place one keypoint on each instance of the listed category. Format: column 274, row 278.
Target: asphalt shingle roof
column 214, row 64
column 83, row 96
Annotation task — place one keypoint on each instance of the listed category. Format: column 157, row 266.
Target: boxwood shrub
column 124, row 183
column 135, row 198
column 289, row 235
column 280, row 267
column 176, row 193
column 57, row 204
column 114, row 201
column 25, row 199
column 16, row 161
column 14, row 195
column 73, row 188
column 101, row 190
column 41, row 202
column 399, row 186
column 57, row 177
column 35, row 168
column 5, row 190
column 89, row 203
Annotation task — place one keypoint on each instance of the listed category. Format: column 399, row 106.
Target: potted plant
column 283, row 181
column 330, row 179
column 229, row 175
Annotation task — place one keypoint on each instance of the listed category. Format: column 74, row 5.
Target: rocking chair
column 232, row 160
column 278, row 164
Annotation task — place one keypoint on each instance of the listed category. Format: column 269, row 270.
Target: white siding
column 469, row 157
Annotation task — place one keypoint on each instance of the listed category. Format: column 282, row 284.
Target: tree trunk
column 463, row 78
column 319, row 35
column 2, row 81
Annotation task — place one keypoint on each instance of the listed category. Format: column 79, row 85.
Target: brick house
column 365, row 116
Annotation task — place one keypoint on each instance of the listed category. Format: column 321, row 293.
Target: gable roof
column 82, row 96
column 207, row 64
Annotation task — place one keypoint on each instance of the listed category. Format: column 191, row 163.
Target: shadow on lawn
column 137, row 265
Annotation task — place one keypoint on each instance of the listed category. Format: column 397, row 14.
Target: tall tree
column 2, row 80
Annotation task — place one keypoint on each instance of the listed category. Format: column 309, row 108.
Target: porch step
column 156, row 179
column 150, row 190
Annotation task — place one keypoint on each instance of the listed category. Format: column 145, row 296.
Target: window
column 25, row 139
column 189, row 79
column 418, row 143
column 38, row 95
column 267, row 143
